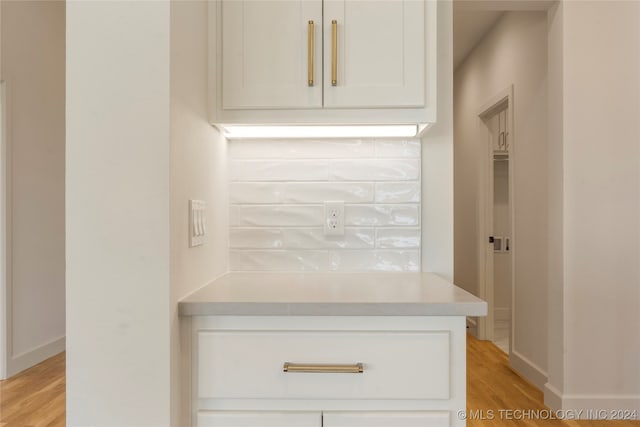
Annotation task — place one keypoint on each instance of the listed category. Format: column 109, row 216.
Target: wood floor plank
column 35, row 397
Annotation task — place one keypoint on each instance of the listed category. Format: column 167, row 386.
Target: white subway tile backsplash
column 279, row 170
column 301, row 192
column 374, row 170
column 280, row 215
column 398, row 238
column 278, row 190
column 271, row 260
column 398, row 192
column 382, row 215
column 256, row 238
column 398, row 149
column 314, row 238
column 300, row 238
column 255, row 192
column 375, row 260
column 320, row 192
column 233, row 215
column 303, row 149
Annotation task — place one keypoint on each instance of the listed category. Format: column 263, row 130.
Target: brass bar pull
column 334, row 53
column 310, row 52
column 356, row 368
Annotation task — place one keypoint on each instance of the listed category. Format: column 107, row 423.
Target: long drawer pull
column 310, row 54
column 334, row 53
column 356, row 368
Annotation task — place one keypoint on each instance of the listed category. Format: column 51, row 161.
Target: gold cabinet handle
column 334, row 53
column 311, row 34
column 356, row 368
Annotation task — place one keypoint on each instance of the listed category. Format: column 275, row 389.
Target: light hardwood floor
column 493, row 386
column 36, row 397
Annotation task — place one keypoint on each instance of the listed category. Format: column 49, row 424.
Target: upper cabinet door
column 266, row 54
column 377, row 59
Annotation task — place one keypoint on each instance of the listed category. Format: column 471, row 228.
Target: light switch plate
column 197, row 222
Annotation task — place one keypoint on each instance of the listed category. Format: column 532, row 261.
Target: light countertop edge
column 331, row 294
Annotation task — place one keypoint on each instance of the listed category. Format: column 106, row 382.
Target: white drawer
column 386, row 419
column 259, row 419
column 397, row 365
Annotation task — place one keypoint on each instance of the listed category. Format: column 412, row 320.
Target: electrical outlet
column 197, row 225
column 334, row 218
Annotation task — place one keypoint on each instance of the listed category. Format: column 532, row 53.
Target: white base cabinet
column 326, row 419
column 329, row 371
column 386, row 419
column 403, row 365
column 261, row 418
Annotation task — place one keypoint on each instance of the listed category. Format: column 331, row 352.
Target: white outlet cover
column 334, row 219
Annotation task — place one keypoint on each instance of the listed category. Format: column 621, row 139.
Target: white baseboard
column 529, row 370
column 552, row 397
column 592, row 407
column 26, row 360
column 472, row 326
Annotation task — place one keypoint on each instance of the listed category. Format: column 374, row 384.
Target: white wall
column 437, row 159
column 198, row 171
column 596, row 366
column 33, row 68
column 555, row 291
column 118, row 214
column 3, row 225
column 277, row 192
column 513, row 53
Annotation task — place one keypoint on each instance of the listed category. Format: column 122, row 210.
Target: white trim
column 33, row 357
column 512, row 210
column 472, row 326
column 526, row 368
column 485, row 265
column 600, row 406
column 502, row 314
column 552, row 397
column 4, row 294
column 591, row 406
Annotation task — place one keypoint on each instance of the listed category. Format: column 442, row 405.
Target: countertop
column 332, row 294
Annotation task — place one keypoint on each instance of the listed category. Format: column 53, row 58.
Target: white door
column 386, row 419
column 266, row 54
column 502, row 257
column 496, row 224
column 259, row 419
column 377, row 59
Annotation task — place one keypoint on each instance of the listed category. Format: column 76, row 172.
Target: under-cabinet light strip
column 349, row 131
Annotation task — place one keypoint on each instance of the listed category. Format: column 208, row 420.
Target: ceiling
column 469, row 27
column 472, row 20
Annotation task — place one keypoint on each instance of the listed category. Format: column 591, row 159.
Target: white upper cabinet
column 322, row 61
column 266, row 47
column 373, row 53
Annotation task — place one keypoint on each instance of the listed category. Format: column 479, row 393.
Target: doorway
column 496, row 240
